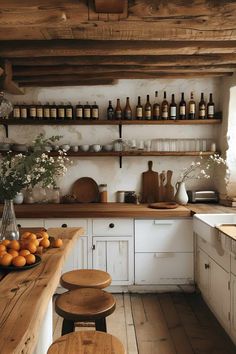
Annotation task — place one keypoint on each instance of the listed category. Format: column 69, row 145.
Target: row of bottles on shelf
column 157, row 111
column 164, row 110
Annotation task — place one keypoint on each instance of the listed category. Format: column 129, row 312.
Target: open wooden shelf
column 136, row 153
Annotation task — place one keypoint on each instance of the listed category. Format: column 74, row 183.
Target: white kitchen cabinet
column 30, row 222
column 115, row 255
column 163, row 252
column 233, row 307
column 202, row 273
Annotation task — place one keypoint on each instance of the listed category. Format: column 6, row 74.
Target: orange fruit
column 57, row 243
column 30, row 259
column 14, row 244
column 5, row 242
column 45, row 243
column 24, row 252
column 6, row 259
column 32, row 237
column 31, row 247
column 19, row 261
column 25, row 235
column 14, row 253
column 2, row 248
column 36, row 242
column 2, row 253
column 42, row 234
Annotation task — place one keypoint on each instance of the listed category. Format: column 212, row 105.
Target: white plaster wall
column 106, row 170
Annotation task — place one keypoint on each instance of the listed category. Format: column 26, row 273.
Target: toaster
column 203, row 196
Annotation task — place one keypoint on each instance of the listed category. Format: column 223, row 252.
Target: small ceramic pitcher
column 181, row 196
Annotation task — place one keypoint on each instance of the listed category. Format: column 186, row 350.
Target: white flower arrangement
column 24, row 171
column 201, row 169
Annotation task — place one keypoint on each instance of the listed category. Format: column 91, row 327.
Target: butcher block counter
column 25, row 296
column 94, row 210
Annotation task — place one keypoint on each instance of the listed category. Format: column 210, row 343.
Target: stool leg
column 101, row 325
column 67, row 327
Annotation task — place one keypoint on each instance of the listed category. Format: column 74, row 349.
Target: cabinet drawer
column 67, row 222
column 30, row 222
column 163, row 268
column 163, row 236
column 112, row 227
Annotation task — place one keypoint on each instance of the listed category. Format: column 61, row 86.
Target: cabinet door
column 30, row 222
column 164, row 268
column 202, row 272
column 219, row 293
column 233, row 307
column 114, row 255
column 78, row 257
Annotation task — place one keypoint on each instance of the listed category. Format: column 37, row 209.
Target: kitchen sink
column 204, row 225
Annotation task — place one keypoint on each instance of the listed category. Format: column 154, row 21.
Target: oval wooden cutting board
column 85, row 189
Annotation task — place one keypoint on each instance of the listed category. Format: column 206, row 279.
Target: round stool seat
column 87, row 342
column 85, row 278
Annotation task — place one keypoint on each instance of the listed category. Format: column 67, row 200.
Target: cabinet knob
column 93, row 247
column 111, row 225
column 64, row 225
column 18, row 225
column 207, row 266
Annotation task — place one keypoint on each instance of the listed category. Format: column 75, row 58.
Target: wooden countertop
column 96, row 210
column 25, row 296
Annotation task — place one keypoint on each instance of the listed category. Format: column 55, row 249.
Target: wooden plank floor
column 174, row 323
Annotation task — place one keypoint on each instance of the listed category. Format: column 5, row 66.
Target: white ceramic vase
column 181, row 196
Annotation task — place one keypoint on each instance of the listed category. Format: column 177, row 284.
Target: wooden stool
column 87, row 342
column 84, row 305
column 85, row 278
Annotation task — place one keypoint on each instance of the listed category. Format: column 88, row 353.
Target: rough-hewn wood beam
column 36, row 49
column 110, row 6
column 65, row 82
column 82, row 69
column 152, row 60
column 119, row 75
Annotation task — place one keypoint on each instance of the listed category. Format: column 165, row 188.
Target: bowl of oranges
column 25, row 253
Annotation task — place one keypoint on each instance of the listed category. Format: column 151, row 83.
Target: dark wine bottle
column 110, row 111
column 202, row 107
column 79, row 111
column 32, row 111
column 148, row 109
column 210, row 108
column 118, row 110
column 61, row 111
column 23, row 111
column 39, row 111
column 95, row 111
column 69, row 112
column 46, row 111
column 192, row 107
column 53, row 111
column 182, row 107
column 164, row 108
column 173, row 108
column 127, row 111
column 16, row 111
column 156, row 108
column 87, row 111
column 139, row 109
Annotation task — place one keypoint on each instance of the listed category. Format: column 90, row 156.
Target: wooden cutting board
column 169, row 189
column 150, row 185
column 86, row 190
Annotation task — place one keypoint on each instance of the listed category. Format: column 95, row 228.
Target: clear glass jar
column 55, row 195
column 103, row 193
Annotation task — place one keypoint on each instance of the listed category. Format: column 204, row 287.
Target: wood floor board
column 130, row 329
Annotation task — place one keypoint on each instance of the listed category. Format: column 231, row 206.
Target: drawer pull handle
column 64, row 225
column 18, row 225
column 93, row 247
column 111, row 225
column 207, row 266
column 158, row 222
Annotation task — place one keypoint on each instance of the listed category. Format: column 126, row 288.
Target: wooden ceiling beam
column 17, row 49
column 73, row 70
column 152, row 60
column 110, row 6
column 119, row 75
column 65, row 82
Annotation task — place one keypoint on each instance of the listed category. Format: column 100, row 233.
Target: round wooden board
column 86, row 190
column 164, row 205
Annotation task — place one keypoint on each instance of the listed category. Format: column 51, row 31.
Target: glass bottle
column 164, row 108
column 110, row 111
column 95, row 111
column 87, row 111
column 23, row 111
column 127, row 111
column 53, row 111
column 79, row 111
column 103, row 193
column 9, row 229
column 69, row 111
column 39, row 111
column 192, row 107
column 139, row 109
column 210, row 108
column 202, row 107
column 46, row 111
column 148, row 109
column 61, row 111
column 182, row 107
column 32, row 111
column 118, row 110
column 16, row 111
column 173, row 108
column 156, row 108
